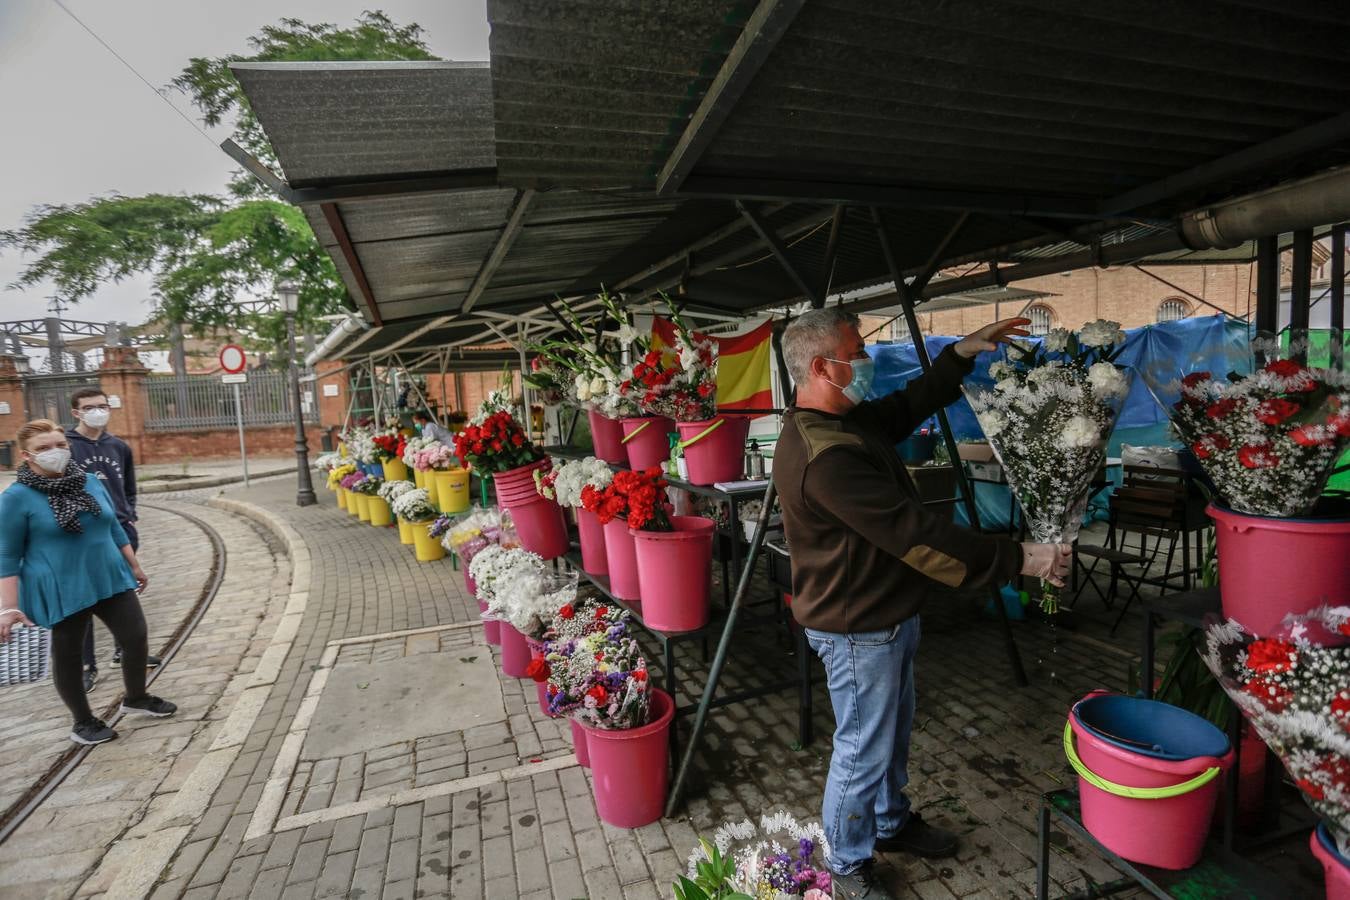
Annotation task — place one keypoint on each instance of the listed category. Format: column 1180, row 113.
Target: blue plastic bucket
column 1150, row 727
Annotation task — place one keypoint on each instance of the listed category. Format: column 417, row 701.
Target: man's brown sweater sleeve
column 843, row 483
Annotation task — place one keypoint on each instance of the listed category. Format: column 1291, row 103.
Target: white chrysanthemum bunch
column 413, row 445
column 326, row 462
column 413, row 506
column 1048, row 417
column 361, row 445
column 567, row 481
column 392, row 490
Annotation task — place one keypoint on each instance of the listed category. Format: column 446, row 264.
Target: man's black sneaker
column 920, row 839
column 90, row 678
column 92, row 731
column 860, row 884
column 149, row 705
column 151, row 661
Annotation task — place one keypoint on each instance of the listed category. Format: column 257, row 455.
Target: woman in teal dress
column 63, row 559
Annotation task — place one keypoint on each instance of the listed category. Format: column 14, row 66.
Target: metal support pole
column 723, row 645
column 304, row 490
column 1268, row 284
column 1300, row 294
column 906, row 293
column 239, row 420
column 1337, row 335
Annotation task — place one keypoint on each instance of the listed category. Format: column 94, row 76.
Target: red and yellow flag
column 742, row 364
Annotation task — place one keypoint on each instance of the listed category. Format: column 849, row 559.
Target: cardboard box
column 980, row 452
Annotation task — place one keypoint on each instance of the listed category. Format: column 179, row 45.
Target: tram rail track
column 12, row 818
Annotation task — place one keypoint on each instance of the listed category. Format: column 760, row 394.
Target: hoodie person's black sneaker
column 92, row 731
column 149, row 705
column 920, row 839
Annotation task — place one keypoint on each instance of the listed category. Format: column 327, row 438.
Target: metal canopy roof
column 753, row 155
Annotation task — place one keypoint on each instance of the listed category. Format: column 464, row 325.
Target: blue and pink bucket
column 1148, row 776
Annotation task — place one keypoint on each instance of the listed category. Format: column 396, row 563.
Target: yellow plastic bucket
column 428, row 548
column 342, row 497
column 419, row 478
column 394, row 470
column 429, row 484
column 452, row 487
column 380, row 516
column 342, row 449
column 362, row 506
column 405, row 532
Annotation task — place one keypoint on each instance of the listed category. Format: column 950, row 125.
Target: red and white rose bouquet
column 1294, row 688
column 1267, row 441
column 679, row 383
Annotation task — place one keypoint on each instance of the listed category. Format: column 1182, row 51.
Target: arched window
column 1042, row 319
column 1172, row 309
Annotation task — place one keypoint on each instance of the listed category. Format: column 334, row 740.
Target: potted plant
column 1048, row 417
column 601, row 678
column 414, row 507
column 680, row 383
column 389, row 492
column 1268, row 442
column 565, row 485
column 499, row 446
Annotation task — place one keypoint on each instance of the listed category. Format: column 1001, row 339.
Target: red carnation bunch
column 679, row 382
column 639, row 497
column 496, row 445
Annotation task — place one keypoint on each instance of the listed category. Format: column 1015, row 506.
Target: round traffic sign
column 232, row 358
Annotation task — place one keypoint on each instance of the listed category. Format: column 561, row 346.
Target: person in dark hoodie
column 108, row 458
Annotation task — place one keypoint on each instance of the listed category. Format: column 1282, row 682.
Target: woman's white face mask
column 53, row 459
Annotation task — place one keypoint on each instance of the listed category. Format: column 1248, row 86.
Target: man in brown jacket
column 864, row 552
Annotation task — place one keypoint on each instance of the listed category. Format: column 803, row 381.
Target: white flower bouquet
column 414, row 506
column 776, row 861
column 589, row 373
column 361, row 445
column 1048, row 417
column 415, row 445
column 392, row 490
column 565, row 483
column 518, row 589
column 1294, row 688
column 327, row 462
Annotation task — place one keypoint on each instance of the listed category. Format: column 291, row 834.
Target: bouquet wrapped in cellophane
column 1048, row 416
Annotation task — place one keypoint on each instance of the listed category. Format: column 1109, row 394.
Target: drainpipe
column 348, row 326
column 1322, row 199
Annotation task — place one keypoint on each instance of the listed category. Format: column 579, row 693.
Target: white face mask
column 53, row 460
column 95, row 418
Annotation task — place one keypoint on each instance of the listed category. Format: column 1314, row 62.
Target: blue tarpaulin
column 1216, row 343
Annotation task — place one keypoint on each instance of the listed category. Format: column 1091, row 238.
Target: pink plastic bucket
column 621, row 556
column 1167, row 832
column 630, row 768
column 492, row 629
column 592, row 534
column 675, row 574
column 719, row 455
column 579, row 744
column 648, row 445
column 607, row 438
column 1337, row 867
column 541, row 527
column 517, row 481
column 515, row 652
column 1257, row 555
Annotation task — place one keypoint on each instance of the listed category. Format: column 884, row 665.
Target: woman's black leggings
column 122, row 614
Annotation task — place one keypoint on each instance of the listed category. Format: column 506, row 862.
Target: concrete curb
column 144, row 854
column 189, row 484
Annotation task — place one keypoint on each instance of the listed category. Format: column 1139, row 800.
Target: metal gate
column 48, row 396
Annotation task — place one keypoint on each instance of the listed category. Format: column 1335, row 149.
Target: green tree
column 206, row 252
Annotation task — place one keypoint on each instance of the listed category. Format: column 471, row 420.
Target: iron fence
column 48, row 396
column 203, row 401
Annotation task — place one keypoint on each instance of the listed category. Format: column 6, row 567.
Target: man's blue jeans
column 871, row 680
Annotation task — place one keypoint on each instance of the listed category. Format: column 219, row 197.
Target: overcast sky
column 77, row 123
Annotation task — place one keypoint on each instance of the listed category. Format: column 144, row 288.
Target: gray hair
column 812, row 334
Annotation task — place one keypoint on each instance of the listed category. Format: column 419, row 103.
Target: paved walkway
column 346, row 734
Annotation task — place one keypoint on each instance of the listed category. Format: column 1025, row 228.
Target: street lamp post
column 290, row 303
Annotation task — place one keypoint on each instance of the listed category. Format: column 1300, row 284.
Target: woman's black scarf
column 65, row 494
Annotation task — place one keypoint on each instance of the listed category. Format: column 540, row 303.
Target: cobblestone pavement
column 500, row 810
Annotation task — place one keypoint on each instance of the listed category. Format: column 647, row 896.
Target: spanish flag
column 742, row 364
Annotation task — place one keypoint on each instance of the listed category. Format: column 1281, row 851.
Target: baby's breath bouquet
column 1048, row 416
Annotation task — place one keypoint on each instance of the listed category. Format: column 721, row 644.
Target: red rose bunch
column 388, row 446
column 1271, row 655
column 679, row 382
column 639, row 497
column 496, row 445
